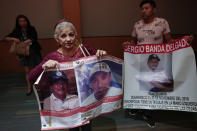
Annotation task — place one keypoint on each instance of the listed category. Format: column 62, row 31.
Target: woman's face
column 22, row 22
column 67, row 38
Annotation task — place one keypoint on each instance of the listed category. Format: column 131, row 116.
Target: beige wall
column 116, row 17
column 43, row 14
column 98, row 17
column 181, row 15
column 105, row 23
column 10, row 63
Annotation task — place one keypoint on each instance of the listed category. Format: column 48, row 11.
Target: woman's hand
column 189, row 38
column 28, row 42
column 100, row 53
column 16, row 40
column 50, row 64
column 10, row 39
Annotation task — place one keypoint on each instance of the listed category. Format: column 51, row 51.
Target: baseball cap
column 153, row 56
column 99, row 67
column 56, row 76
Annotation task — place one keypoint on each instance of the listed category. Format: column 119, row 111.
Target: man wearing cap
column 155, row 80
column 100, row 81
column 60, row 99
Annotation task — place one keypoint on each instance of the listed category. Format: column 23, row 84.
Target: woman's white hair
column 61, row 26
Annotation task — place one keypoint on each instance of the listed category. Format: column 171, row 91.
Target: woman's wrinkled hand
column 50, row 64
column 100, row 53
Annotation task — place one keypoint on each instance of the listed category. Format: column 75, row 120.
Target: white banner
column 79, row 91
column 160, row 76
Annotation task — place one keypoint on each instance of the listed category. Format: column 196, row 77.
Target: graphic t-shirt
column 151, row 33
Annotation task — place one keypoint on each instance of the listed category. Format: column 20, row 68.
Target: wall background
column 116, row 17
column 43, row 14
column 103, row 24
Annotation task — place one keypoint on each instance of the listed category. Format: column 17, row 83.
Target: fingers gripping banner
column 160, row 76
column 79, row 91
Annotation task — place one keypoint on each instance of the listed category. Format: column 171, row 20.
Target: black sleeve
column 13, row 34
column 33, row 35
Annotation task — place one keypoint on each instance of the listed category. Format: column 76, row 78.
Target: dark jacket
column 31, row 34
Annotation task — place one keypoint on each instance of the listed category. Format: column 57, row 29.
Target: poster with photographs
column 155, row 73
column 87, row 86
column 99, row 85
column 160, row 77
column 58, row 99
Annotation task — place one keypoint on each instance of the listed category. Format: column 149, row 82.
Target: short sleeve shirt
column 151, row 33
column 55, row 104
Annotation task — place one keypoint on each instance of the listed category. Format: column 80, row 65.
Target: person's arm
column 35, row 72
column 161, row 86
column 167, row 32
column 33, row 35
column 28, row 41
column 168, row 37
column 12, row 37
column 134, row 35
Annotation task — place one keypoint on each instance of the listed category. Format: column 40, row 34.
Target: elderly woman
column 69, row 50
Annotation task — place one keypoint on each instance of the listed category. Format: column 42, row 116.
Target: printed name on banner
column 157, row 48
